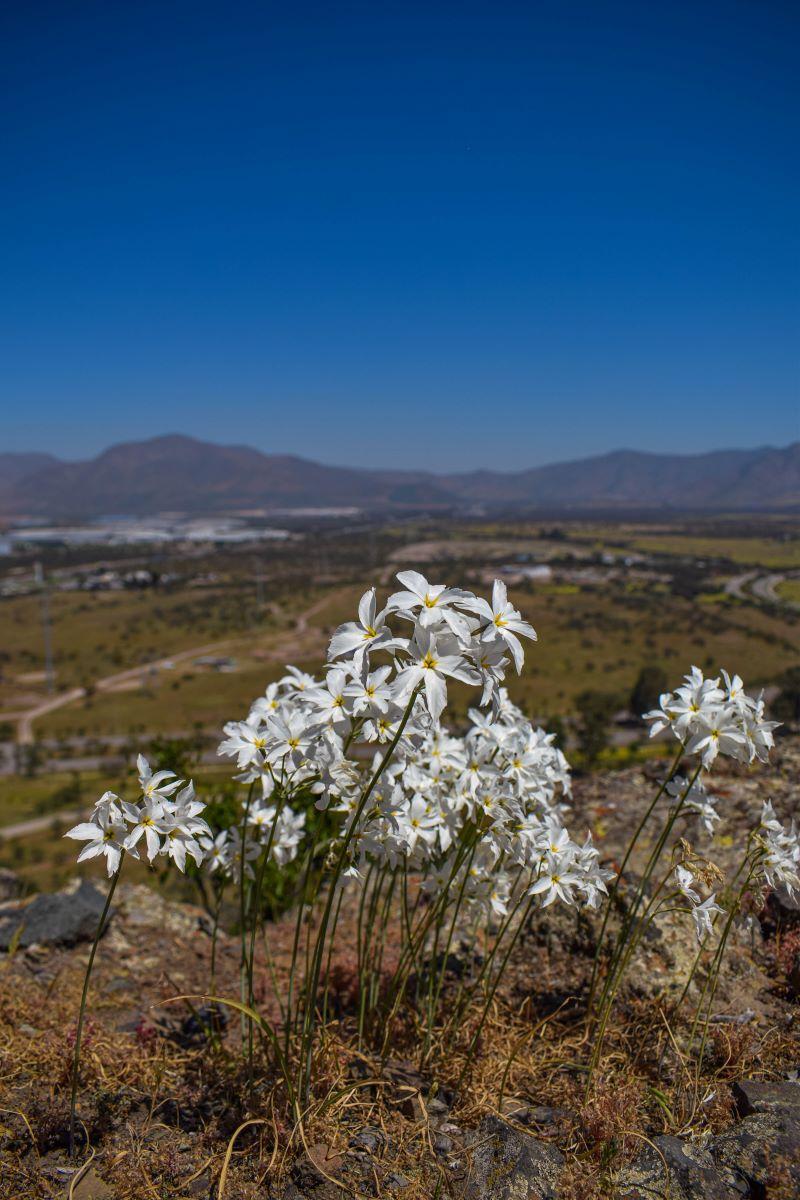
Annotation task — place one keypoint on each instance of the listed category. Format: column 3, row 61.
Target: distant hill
column 181, row 474
column 16, row 467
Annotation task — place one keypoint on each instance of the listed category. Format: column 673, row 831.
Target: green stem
column 311, row 991
column 243, row 917
column 628, row 947
column 293, row 1018
column 79, row 1031
column 375, row 978
column 416, row 941
column 615, row 971
column 433, row 995
column 616, row 884
column 214, row 932
column 465, row 996
column 492, row 990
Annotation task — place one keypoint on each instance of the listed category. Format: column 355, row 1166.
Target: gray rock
column 10, row 884
column 760, row 1096
column 782, row 910
column 509, row 1165
column 675, row 1169
column 762, row 1152
column 544, row 1114
column 59, row 919
column 793, row 977
column 437, row 1108
column 369, row 1139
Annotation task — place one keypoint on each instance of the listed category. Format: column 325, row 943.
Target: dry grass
column 162, row 1116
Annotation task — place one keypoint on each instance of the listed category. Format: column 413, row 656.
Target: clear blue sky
column 433, row 234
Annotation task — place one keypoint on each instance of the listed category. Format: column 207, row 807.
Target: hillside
column 164, row 1094
column 177, row 473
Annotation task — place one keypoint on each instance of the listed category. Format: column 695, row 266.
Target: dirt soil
column 167, row 1109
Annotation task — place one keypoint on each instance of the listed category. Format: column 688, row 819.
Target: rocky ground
column 167, row 1111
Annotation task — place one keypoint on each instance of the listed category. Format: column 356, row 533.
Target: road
column 37, row 824
column 738, row 586
column 110, row 683
column 753, row 585
column 764, row 588
column 285, row 645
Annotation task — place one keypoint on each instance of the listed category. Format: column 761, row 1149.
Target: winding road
column 110, row 683
column 754, row 585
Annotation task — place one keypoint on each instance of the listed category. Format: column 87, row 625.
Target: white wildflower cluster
column 270, row 828
column 499, row 790
column 696, row 800
column 715, row 716
column 780, row 851
column 703, row 912
column 166, row 819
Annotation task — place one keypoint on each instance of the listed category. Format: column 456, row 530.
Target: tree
column 786, row 706
column 556, row 725
column 650, row 684
column 174, row 754
column 594, row 709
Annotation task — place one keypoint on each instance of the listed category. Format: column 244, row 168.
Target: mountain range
column 175, row 473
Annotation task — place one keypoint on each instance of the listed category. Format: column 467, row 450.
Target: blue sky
column 431, row 234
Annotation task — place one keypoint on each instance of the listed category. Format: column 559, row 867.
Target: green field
column 762, row 552
column 587, row 639
column 598, row 622
column 98, row 633
column 789, row 591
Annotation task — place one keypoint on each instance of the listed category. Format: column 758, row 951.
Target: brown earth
column 161, row 1102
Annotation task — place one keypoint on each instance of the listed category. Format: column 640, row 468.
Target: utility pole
column 47, row 627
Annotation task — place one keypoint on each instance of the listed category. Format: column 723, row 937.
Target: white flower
column 289, row 737
column 260, row 818
column 297, row 681
column 147, row 819
column 490, row 662
column 266, row 705
column 369, row 632
column 556, row 881
column 780, row 861
column 418, row 821
column 331, row 701
column 178, row 843
column 217, row 854
column 684, row 880
column 717, row 731
column 104, row 834
column 695, row 800
column 702, row 915
column 681, row 711
column 502, row 620
column 431, row 603
column 162, row 784
column 711, row 720
column 369, row 692
column 758, row 731
column 430, row 666
column 246, row 741
column 288, row 836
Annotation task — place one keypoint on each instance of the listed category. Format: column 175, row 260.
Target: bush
column 595, row 709
column 650, row 684
column 787, row 704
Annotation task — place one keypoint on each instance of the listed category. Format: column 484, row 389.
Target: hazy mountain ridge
column 178, row 473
